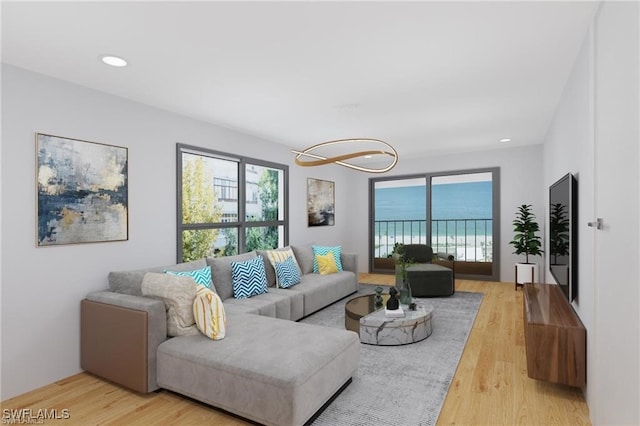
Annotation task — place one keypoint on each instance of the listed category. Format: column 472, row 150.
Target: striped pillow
column 320, row 250
column 200, row 276
column 248, row 278
column 280, row 255
column 209, row 314
column 287, row 273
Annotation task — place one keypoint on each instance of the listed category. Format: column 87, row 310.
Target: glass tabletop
column 360, row 306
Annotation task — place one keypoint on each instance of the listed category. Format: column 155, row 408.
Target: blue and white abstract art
column 82, row 191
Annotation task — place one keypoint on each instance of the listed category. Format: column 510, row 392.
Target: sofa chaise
column 268, row 368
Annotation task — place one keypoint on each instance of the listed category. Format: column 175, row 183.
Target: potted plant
column 559, row 241
column 558, row 233
column 402, row 263
column 526, row 241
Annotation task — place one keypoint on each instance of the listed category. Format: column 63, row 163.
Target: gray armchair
column 418, row 253
column 427, row 279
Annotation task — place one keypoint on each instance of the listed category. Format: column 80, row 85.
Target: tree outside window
column 224, row 212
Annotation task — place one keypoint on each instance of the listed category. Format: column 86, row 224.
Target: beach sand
column 471, row 248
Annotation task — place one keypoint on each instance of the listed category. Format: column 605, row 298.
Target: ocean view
column 471, row 200
column 461, row 218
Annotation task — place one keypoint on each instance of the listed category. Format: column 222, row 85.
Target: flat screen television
column 563, row 234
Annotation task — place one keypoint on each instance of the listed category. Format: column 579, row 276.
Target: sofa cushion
column 268, row 268
column 323, row 250
column 287, row 273
column 248, row 278
column 200, row 276
column 130, row 282
column 209, row 314
column 177, row 293
column 322, row 290
column 221, row 272
column 304, row 257
column 269, row 304
column 270, row 371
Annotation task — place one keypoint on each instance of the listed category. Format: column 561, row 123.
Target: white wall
column 42, row 287
column 595, row 136
column 520, row 183
column 569, row 148
column 615, row 386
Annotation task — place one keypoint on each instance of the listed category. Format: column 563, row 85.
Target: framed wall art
column 320, row 202
column 82, row 191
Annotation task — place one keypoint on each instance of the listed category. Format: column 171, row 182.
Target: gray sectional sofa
column 268, row 368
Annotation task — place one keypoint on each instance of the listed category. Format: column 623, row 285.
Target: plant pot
column 526, row 273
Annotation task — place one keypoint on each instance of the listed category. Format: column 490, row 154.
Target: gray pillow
column 268, row 268
column 129, row 282
column 178, row 293
column 304, row 256
column 221, row 272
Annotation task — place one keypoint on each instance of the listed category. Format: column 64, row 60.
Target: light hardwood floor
column 490, row 386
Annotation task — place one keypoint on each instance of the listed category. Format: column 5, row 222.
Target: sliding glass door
column 400, row 216
column 462, row 216
column 456, row 213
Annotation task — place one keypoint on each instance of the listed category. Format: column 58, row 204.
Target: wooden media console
column 555, row 339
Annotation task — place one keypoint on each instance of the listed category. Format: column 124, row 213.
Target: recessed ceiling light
column 505, row 140
column 114, row 61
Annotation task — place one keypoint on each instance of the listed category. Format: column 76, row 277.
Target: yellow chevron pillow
column 209, row 314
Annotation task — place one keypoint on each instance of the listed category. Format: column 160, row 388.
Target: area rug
column 402, row 385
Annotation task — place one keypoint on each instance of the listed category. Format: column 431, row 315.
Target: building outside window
column 229, row 204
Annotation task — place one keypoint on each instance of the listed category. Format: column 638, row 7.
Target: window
column 228, row 204
column 456, row 213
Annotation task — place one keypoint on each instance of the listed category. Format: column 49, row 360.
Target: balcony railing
column 465, row 239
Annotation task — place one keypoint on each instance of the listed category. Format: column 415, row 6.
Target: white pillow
column 208, row 311
column 178, row 293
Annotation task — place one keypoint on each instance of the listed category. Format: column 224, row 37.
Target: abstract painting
column 82, row 191
column 320, row 202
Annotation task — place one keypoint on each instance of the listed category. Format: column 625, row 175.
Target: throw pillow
column 326, row 264
column 280, row 255
column 200, row 276
column 248, row 278
column 287, row 273
column 321, row 250
column 177, row 293
column 221, row 269
column 209, row 314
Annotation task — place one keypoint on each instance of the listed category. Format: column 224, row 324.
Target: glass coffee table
column 375, row 328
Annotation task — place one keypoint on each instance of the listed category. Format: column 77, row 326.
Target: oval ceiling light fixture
column 114, row 61
column 320, row 160
column 505, row 140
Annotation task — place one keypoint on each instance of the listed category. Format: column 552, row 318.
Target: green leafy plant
column 525, row 240
column 401, row 261
column 558, row 231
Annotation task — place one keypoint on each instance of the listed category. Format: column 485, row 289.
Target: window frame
column 495, row 173
column 242, row 224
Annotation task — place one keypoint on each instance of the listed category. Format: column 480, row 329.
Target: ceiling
column 424, row 76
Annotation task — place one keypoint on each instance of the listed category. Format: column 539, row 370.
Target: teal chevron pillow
column 200, row 276
column 322, row 251
column 248, row 278
column 287, row 273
